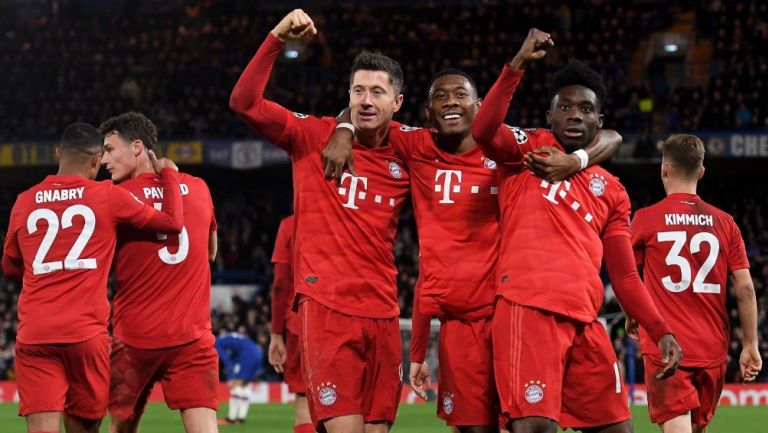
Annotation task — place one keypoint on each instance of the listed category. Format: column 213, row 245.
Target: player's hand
column 419, row 379
column 337, row 154
column 534, row 48
column 297, row 25
column 632, row 328
column 551, row 164
column 277, row 352
column 162, row 163
column 750, row 363
column 671, row 355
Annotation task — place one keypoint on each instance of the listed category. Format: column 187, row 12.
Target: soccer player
column 243, row 362
column 60, row 244
column 344, row 238
column 455, row 200
column 687, row 249
column 161, row 309
column 553, row 360
column 284, row 343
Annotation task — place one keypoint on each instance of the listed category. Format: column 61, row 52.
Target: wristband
column 346, row 125
column 581, row 154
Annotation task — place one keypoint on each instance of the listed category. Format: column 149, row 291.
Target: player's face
column 574, row 117
column 119, row 157
column 452, row 105
column 372, row 100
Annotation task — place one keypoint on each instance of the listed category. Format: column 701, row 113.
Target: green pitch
column 276, row 418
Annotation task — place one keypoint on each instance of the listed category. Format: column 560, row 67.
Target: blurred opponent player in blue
column 243, row 362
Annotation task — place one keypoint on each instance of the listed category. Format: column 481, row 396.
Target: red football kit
column 344, row 262
column 455, row 201
column 64, row 231
column 687, row 248
column 549, row 287
column 284, row 320
column 162, row 304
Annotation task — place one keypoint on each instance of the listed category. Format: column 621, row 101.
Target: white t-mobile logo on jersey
column 353, row 192
column 446, row 187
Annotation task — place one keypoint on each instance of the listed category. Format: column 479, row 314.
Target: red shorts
column 292, row 370
column 551, row 366
column 466, row 388
column 189, row 374
column 353, row 365
column 690, row 389
column 70, row 378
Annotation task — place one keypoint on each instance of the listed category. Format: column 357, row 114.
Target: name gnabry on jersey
column 49, row 195
column 674, row 219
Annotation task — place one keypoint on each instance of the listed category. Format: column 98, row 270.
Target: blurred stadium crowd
column 178, row 61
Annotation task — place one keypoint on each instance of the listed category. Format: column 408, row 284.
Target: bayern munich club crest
column 489, row 163
column 326, row 393
column 448, row 403
column 534, row 391
column 597, row 184
column 395, row 170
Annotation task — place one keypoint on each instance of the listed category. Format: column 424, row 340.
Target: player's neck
column 73, row 170
column 455, row 144
column 680, row 187
column 141, row 168
column 374, row 137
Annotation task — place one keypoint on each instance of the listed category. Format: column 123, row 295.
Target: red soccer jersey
column 455, row 201
column 556, row 229
column 64, row 229
column 345, row 234
column 164, row 281
column 282, row 314
column 687, row 248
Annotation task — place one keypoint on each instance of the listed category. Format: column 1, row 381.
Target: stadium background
column 697, row 66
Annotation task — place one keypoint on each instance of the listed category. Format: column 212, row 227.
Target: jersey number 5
column 674, row 259
column 166, row 256
column 73, row 260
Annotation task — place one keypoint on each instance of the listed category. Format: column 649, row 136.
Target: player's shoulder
column 523, row 135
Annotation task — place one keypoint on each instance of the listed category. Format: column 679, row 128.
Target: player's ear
column 136, row 146
column 398, row 102
column 549, row 117
column 427, row 112
column 57, row 153
column 600, row 119
column 701, row 172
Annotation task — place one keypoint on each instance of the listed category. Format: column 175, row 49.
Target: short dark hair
column 453, row 71
column 132, row 126
column 576, row 73
column 368, row 61
column 81, row 138
column 684, row 151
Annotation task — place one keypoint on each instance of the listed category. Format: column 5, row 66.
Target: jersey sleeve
column 12, row 262
column 280, row 291
column 127, row 209
column 638, row 238
column 420, row 328
column 282, row 251
column 405, row 139
column 498, row 141
column 280, row 126
column 618, row 220
column 737, row 252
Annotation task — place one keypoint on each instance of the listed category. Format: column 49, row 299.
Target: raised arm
column 488, row 130
column 170, row 219
column 247, row 99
